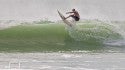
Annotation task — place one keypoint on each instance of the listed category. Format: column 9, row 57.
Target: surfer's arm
column 69, row 12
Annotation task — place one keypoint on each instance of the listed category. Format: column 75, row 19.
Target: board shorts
column 75, row 17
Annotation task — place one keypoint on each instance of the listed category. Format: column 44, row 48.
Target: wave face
column 85, row 36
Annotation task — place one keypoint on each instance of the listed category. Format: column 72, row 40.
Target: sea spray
column 96, row 31
column 118, row 28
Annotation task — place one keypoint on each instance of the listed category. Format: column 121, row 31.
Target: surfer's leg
column 69, row 16
column 75, row 18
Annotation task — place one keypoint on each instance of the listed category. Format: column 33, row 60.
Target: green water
column 53, row 38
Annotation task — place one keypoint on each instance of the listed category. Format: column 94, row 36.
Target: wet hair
column 73, row 9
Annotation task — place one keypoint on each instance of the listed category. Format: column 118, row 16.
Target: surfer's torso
column 75, row 15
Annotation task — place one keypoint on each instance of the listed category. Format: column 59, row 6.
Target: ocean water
column 54, row 37
column 88, row 45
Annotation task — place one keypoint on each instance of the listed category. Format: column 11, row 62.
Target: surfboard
column 64, row 20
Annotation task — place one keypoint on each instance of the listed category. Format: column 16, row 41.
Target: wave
column 85, row 36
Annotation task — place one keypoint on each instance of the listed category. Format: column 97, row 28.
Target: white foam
column 8, row 23
column 62, row 61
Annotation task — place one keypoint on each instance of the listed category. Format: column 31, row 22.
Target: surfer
column 74, row 15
